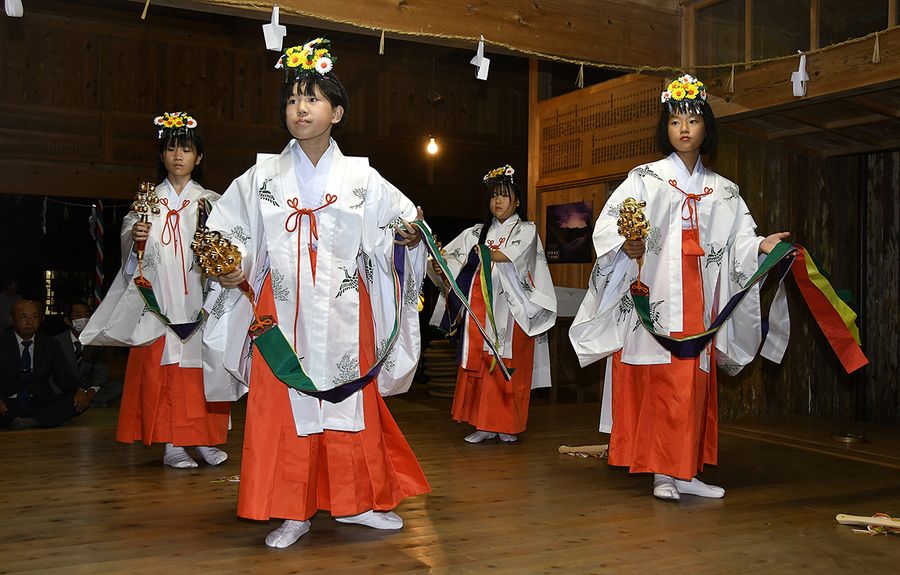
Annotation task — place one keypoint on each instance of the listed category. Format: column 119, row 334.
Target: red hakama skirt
column 665, row 417
column 167, row 404
column 288, row 476
column 483, row 398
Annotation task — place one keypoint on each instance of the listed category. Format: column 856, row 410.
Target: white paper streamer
column 273, row 32
column 14, row 8
column 800, row 77
column 479, row 61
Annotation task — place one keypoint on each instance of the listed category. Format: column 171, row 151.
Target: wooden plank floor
column 72, row 500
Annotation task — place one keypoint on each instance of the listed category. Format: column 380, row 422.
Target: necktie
column 26, row 359
column 79, row 352
column 24, row 396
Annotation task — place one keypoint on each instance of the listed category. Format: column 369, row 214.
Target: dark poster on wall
column 569, row 229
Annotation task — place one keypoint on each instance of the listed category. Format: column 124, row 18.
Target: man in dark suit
column 88, row 364
column 29, row 362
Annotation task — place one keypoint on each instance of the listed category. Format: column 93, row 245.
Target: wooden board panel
column 598, row 132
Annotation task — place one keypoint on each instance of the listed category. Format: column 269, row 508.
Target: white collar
column 510, row 221
column 681, row 170
column 170, row 189
column 303, row 162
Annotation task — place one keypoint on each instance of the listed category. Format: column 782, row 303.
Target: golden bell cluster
column 216, row 255
column 146, row 201
column 633, row 225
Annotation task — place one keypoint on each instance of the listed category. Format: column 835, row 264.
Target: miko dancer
column 702, row 246
column 163, row 398
column 339, row 294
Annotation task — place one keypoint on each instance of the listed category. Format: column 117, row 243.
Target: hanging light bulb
column 432, row 147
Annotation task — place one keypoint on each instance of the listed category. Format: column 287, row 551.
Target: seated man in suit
column 29, row 361
column 88, row 364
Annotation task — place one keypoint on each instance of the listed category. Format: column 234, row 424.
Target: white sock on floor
column 287, row 534
column 178, row 458
column 374, row 519
column 480, row 436
column 211, row 455
column 698, row 488
column 509, row 437
column 664, row 487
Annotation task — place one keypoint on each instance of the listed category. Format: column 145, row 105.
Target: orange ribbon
column 169, row 232
column 690, row 202
column 292, row 224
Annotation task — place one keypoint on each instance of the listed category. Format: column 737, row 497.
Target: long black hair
column 185, row 139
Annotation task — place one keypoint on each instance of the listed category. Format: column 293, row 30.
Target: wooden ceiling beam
column 594, row 31
column 837, row 72
column 820, row 121
column 877, row 105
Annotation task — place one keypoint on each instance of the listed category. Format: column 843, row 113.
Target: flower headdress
column 312, row 59
column 502, row 175
column 684, row 94
column 174, row 124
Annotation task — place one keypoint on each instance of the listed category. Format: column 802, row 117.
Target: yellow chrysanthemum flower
column 678, row 93
column 294, row 60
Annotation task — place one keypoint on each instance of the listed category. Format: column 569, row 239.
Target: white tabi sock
column 509, row 437
column 374, row 519
column 211, row 455
column 178, row 458
column 698, row 488
column 480, row 436
column 288, row 534
column 664, row 487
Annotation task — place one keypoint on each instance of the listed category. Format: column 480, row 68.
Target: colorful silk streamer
column 282, row 359
column 834, row 316
column 182, row 330
column 460, row 286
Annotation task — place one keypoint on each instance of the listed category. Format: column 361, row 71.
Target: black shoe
column 20, row 423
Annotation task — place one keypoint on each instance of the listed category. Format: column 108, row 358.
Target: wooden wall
column 80, row 82
column 881, row 335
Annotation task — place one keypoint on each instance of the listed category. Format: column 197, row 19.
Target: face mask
column 79, row 324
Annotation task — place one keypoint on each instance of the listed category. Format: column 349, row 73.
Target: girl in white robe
column 524, row 308
column 163, row 398
column 702, row 246
column 316, row 230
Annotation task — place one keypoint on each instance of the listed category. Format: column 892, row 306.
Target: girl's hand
column 140, row 231
column 409, row 232
column 768, row 244
column 232, row 279
column 634, row 249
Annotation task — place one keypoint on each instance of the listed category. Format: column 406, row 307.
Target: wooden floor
column 75, row 501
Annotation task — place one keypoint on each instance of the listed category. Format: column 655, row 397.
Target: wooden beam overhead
column 622, row 33
column 835, row 73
